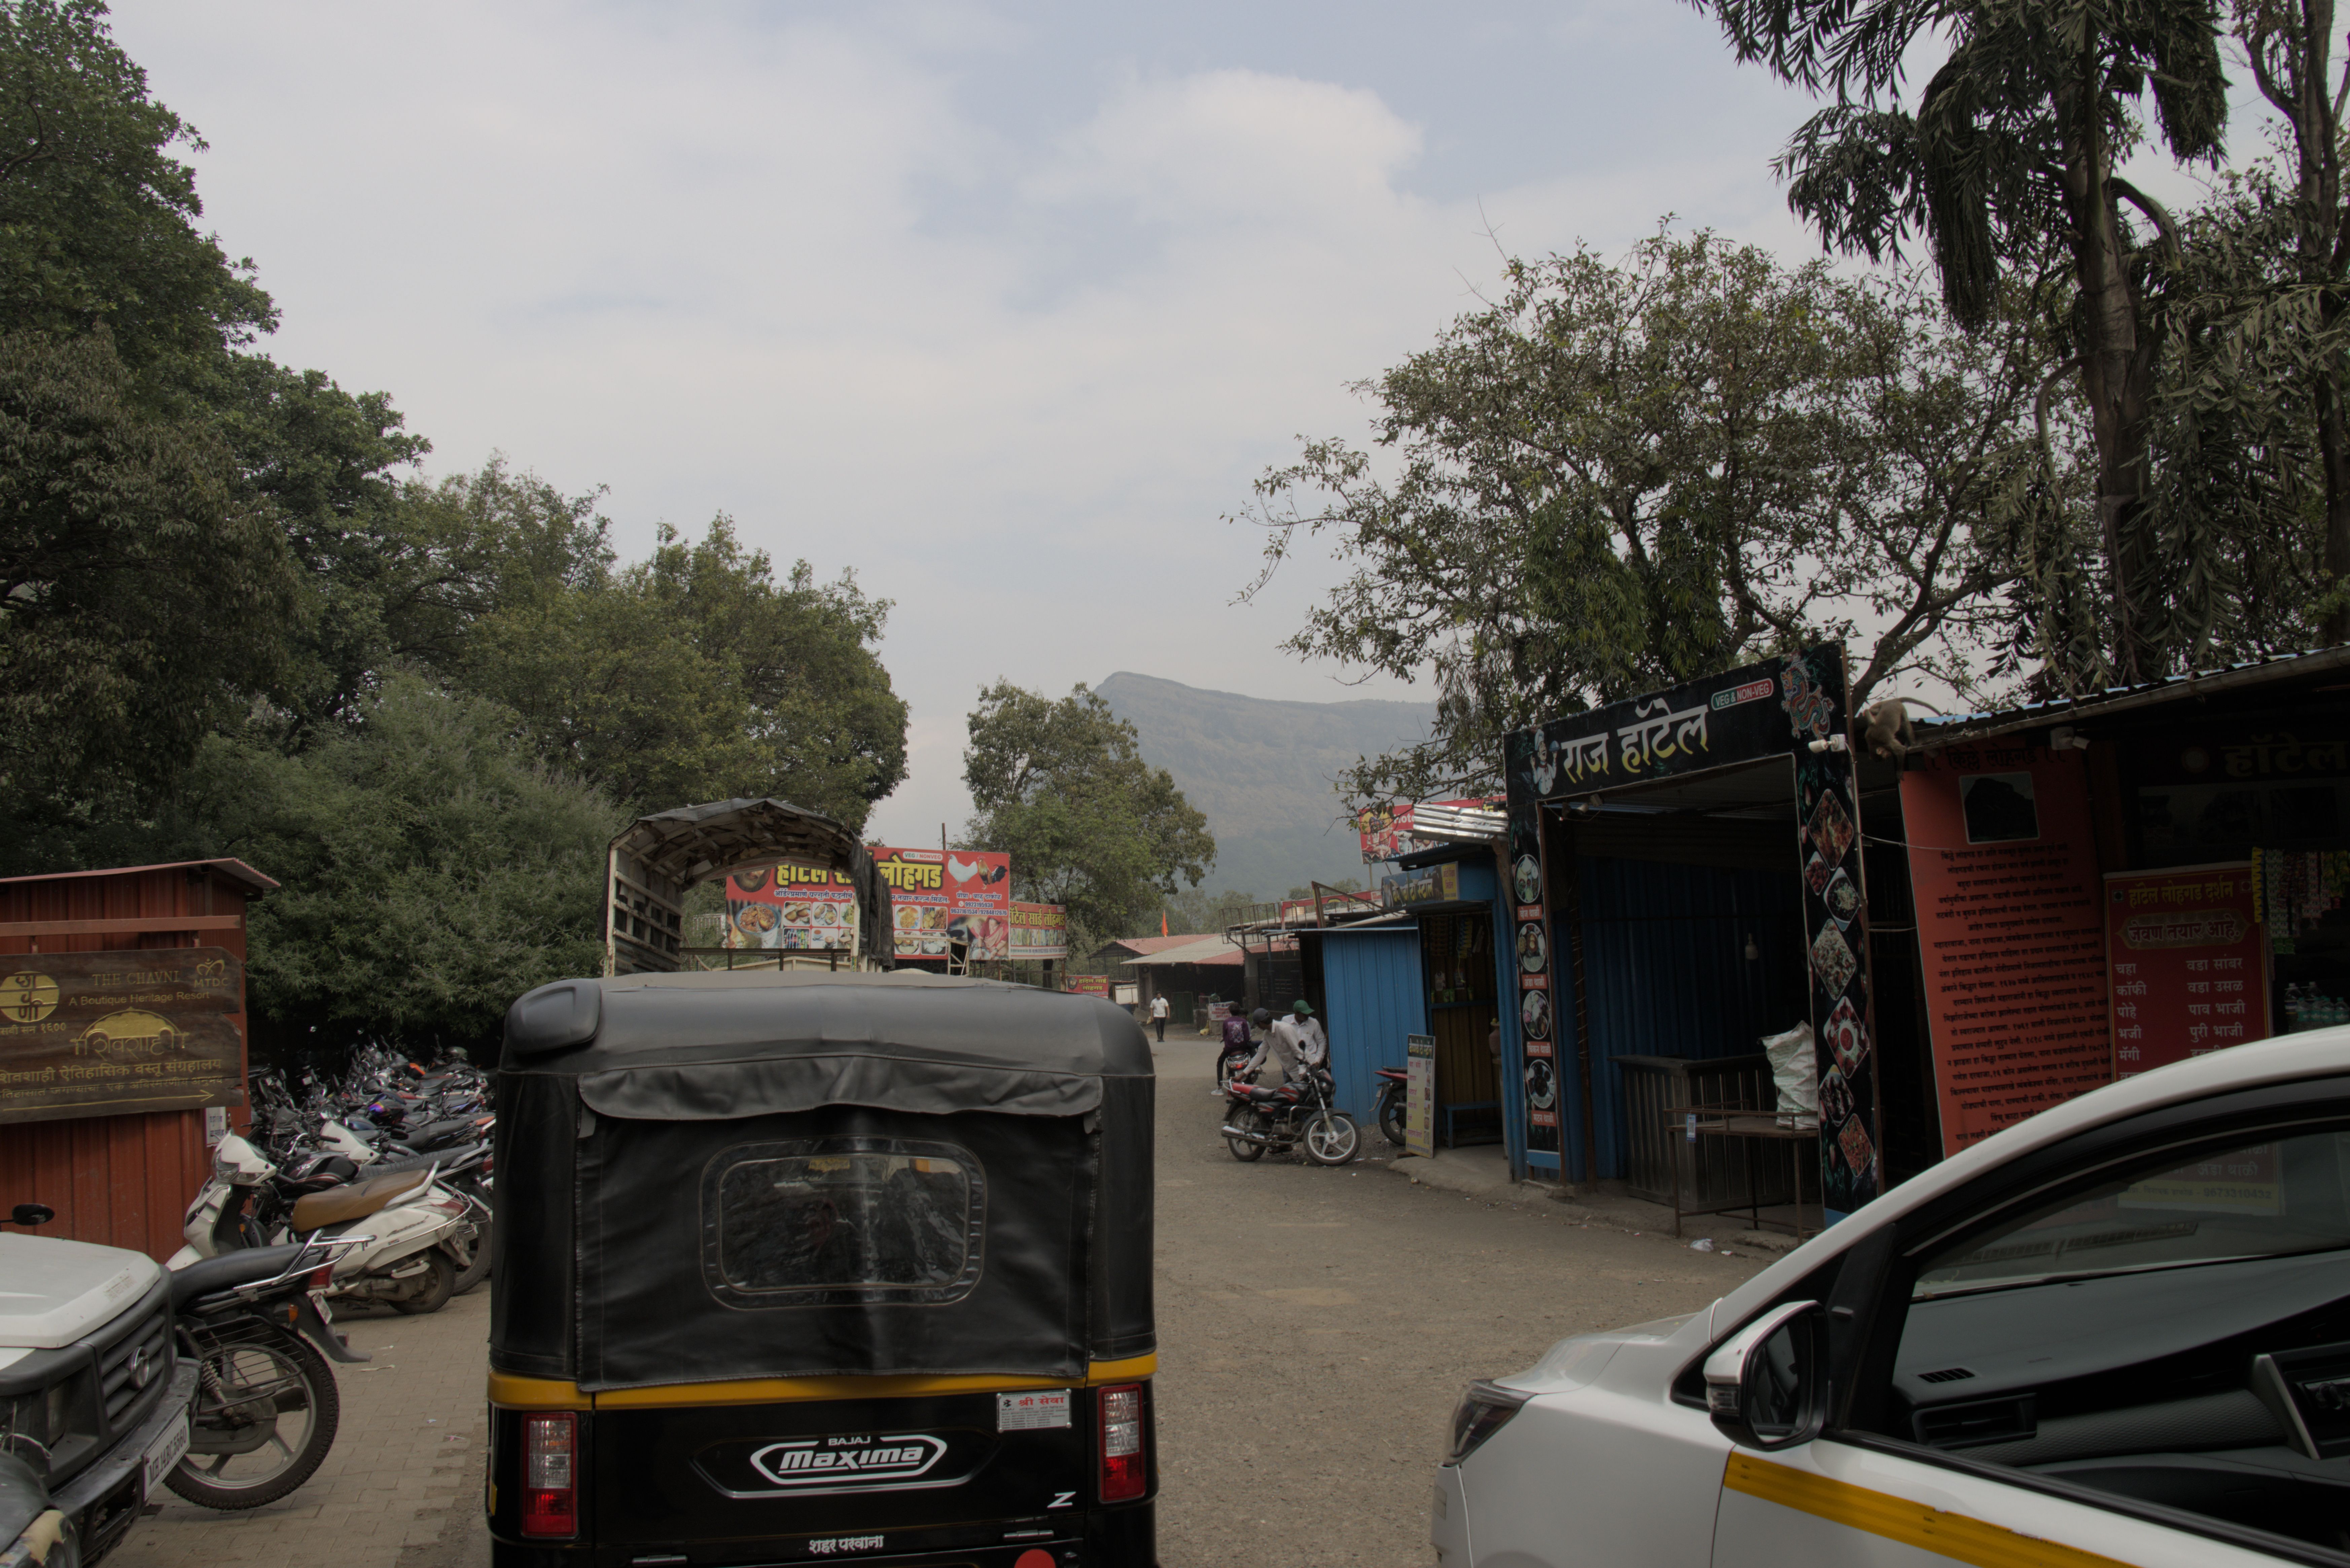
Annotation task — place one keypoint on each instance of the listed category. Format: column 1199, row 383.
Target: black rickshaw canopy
column 715, row 1175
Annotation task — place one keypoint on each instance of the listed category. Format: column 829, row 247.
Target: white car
column 2116, row 1332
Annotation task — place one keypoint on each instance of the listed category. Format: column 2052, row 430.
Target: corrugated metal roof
column 1185, row 949
column 2256, row 672
column 1144, row 945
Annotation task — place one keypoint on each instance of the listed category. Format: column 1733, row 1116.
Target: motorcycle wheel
column 438, row 1288
column 1391, row 1118
column 1242, row 1149
column 1332, row 1138
column 478, row 1270
column 246, row 1362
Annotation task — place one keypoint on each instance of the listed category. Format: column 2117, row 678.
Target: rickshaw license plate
column 1029, row 1412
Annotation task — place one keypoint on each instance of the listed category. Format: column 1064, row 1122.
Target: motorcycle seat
column 434, row 1134
column 206, row 1275
column 355, row 1201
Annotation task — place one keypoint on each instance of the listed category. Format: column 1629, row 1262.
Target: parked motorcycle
column 1298, row 1114
column 254, row 1323
column 1390, row 1108
column 419, row 1239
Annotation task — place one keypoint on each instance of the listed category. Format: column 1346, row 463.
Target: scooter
column 420, row 1237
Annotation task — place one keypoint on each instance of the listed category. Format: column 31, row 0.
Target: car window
column 2270, row 1199
column 2114, row 1337
column 856, row 1214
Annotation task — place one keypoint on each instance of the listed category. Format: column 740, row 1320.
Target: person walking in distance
column 1159, row 1011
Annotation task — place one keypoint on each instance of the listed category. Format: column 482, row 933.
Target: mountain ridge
column 1262, row 770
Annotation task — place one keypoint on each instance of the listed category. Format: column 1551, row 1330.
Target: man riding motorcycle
column 1296, row 1041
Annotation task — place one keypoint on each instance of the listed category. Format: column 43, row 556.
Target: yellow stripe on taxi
column 1952, row 1535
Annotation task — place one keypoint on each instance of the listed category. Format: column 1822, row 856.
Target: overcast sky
column 1001, row 306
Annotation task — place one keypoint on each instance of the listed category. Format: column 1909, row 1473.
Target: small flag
column 1162, row 921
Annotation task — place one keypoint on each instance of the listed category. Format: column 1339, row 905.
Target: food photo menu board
column 790, row 907
column 2189, row 971
column 942, row 898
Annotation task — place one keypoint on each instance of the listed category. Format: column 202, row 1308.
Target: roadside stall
column 122, row 1042
column 1429, row 964
column 1689, row 876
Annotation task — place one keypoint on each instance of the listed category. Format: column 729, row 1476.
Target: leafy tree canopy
column 140, row 590
column 1062, row 786
column 433, row 867
column 1618, row 477
column 98, row 219
column 695, row 675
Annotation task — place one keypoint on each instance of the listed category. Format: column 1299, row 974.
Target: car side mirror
column 1767, row 1386
column 31, row 1214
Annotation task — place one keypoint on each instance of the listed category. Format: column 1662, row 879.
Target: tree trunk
column 2334, row 449
column 2116, row 373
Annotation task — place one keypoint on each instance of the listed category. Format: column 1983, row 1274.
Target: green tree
column 98, row 219
column 140, row 591
column 695, row 676
column 1063, row 788
column 433, row 868
column 2009, row 167
column 1621, row 476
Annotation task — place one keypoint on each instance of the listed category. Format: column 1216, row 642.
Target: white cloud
column 801, row 271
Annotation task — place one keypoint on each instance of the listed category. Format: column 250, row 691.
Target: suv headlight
column 1482, row 1411
column 32, row 1425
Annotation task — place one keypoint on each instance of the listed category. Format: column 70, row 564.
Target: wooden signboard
column 85, row 1035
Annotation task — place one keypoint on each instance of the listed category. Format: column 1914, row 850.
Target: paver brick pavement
column 405, row 1468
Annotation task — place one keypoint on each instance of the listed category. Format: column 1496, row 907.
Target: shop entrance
column 1456, row 966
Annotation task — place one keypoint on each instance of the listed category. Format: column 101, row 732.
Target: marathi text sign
column 791, row 907
column 940, row 898
column 1088, row 985
column 85, row 1035
column 1430, row 885
column 2005, row 884
column 1039, row 931
column 2189, row 972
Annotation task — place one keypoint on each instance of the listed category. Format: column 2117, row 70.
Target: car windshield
column 2271, row 1199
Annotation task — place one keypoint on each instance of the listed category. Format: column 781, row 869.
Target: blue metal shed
column 1373, row 996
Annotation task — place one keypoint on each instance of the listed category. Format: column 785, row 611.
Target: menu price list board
column 791, row 907
column 2190, row 969
column 103, row 1033
column 2005, row 880
column 939, row 898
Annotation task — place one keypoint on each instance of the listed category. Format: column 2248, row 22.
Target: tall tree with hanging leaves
column 2010, row 165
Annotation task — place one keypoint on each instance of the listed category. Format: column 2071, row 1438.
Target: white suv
column 2118, row 1330
column 93, row 1400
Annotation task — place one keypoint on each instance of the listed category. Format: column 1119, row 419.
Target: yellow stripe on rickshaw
column 513, row 1393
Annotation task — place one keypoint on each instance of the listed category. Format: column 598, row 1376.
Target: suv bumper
column 104, row 1499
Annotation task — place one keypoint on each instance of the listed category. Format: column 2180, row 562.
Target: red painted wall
column 120, row 1180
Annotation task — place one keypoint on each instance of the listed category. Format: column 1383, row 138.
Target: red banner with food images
column 790, row 907
column 944, row 898
column 2189, row 975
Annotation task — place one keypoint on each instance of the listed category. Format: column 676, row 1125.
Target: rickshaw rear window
column 881, row 1218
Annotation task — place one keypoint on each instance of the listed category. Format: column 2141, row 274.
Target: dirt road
column 1315, row 1327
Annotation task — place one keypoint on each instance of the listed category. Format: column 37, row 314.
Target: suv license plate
column 164, row 1452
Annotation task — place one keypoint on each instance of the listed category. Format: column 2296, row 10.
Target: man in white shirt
column 1296, row 1041
column 1159, row 1011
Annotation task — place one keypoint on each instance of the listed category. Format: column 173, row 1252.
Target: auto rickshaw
column 821, row 1267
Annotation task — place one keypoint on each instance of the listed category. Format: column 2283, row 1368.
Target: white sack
column 1795, row 1068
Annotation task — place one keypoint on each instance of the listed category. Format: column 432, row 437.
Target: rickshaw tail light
column 550, row 1493
column 1124, row 1465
